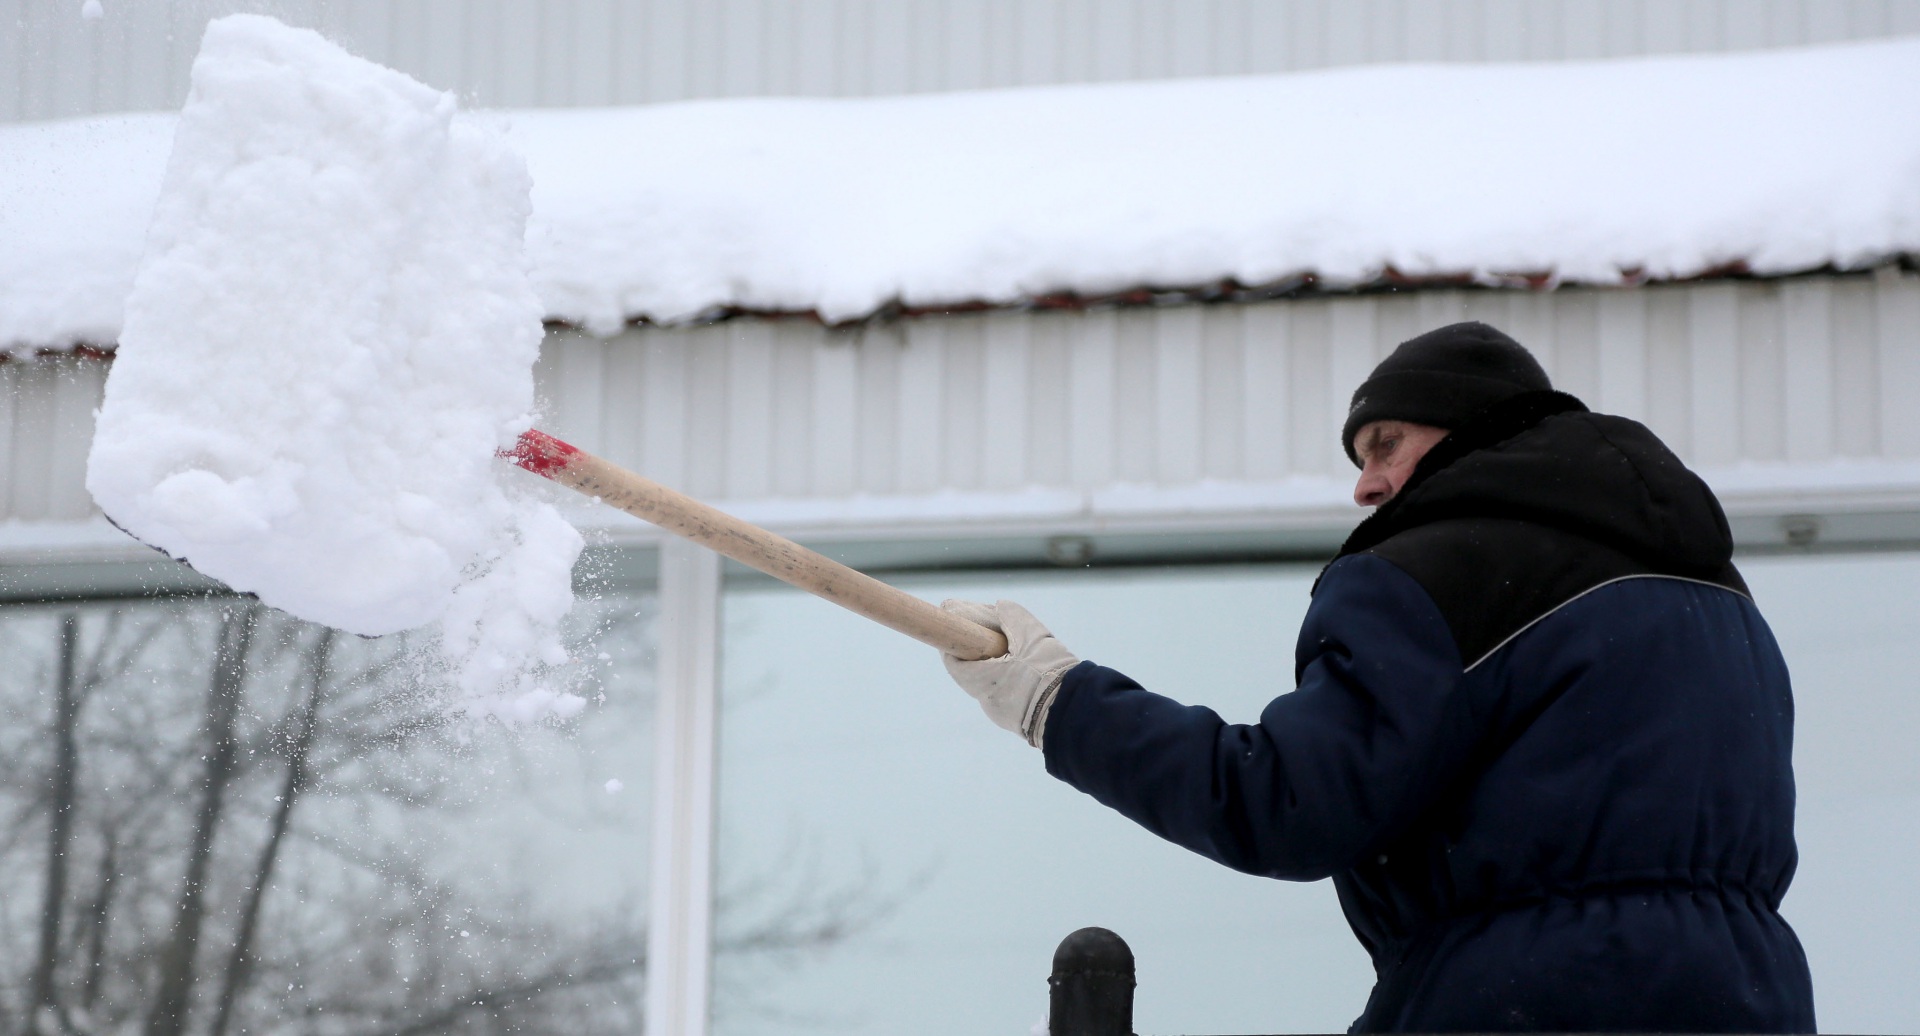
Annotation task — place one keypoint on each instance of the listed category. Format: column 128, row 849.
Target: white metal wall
column 499, row 53
column 46, row 428
column 1800, row 373
column 1770, row 386
column 1789, row 376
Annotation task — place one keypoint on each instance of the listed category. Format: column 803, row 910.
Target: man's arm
column 1330, row 772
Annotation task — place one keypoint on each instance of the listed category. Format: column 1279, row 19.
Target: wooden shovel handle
column 754, row 547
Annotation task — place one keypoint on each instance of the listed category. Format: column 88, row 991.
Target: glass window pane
column 891, row 862
column 217, row 819
column 927, row 864
column 1850, row 630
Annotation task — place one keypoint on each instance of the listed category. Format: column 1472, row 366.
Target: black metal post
column 1091, row 990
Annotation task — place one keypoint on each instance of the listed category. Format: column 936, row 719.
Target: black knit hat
column 1442, row 378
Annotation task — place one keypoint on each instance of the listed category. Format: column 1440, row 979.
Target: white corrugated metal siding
column 503, row 53
column 46, row 428
column 1793, row 374
column 1805, row 371
column 1140, row 415
column 1208, row 422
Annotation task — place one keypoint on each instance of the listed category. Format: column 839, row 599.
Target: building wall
column 1124, row 415
column 1142, row 415
column 1798, row 371
column 1149, row 416
column 46, row 426
column 504, row 53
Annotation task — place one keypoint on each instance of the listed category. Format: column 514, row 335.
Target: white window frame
column 686, row 689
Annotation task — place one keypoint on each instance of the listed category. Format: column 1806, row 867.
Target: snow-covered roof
column 1598, row 172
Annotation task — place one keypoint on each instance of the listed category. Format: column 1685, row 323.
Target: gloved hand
column 1017, row 688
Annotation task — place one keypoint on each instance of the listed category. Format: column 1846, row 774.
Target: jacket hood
column 1543, row 457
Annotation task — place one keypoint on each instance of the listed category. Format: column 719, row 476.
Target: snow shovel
column 754, row 547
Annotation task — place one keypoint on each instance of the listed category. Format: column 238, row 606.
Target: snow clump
column 329, row 338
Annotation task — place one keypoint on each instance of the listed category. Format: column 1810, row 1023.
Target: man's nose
column 1372, row 490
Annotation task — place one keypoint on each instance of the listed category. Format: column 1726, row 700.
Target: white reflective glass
column 891, row 862
column 933, row 865
column 1850, row 630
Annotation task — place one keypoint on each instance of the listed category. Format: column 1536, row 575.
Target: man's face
column 1388, row 452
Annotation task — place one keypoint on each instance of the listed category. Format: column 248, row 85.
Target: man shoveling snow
column 1541, row 738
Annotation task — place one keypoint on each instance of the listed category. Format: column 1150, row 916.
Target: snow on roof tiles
column 1596, row 172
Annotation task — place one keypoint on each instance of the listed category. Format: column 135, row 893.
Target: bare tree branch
column 45, row 1006
column 193, row 903
column 240, row 960
column 99, row 915
column 170, row 1005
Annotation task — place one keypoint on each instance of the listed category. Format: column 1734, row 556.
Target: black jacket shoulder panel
column 1537, row 502
column 1492, row 577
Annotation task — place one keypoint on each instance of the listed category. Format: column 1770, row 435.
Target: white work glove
column 1017, row 688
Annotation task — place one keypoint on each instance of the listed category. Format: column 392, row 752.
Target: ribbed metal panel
column 1805, row 372
column 46, row 428
column 966, row 418
column 499, row 53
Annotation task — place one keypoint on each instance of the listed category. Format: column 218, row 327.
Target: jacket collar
column 1494, row 425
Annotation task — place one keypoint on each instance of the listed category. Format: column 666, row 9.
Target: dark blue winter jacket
column 1541, row 740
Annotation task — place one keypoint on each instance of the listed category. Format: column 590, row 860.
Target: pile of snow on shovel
column 330, row 336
